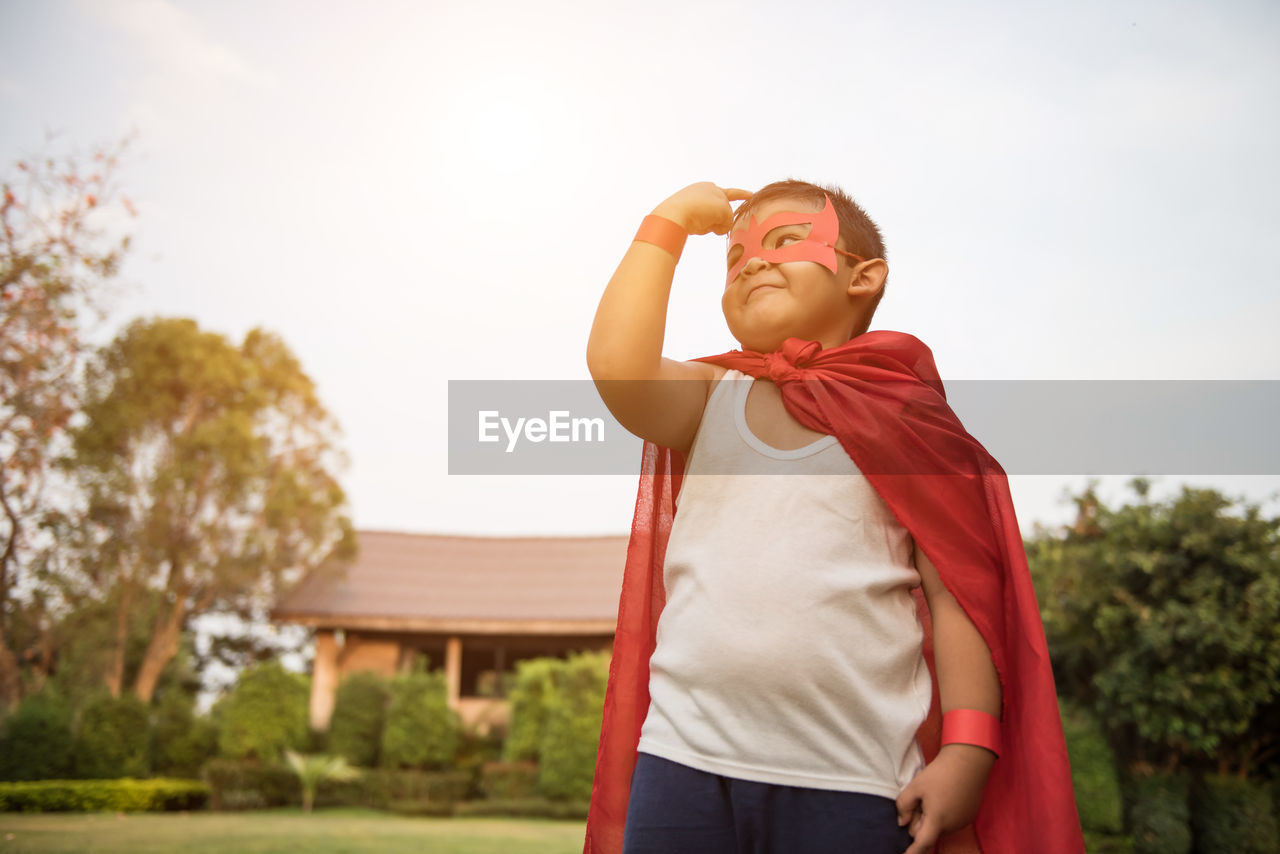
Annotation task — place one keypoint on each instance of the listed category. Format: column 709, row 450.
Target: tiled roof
column 446, row 582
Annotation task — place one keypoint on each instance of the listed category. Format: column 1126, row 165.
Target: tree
column 56, row 260
column 1165, row 617
column 208, row 471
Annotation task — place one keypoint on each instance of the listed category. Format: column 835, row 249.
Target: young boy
column 787, row 645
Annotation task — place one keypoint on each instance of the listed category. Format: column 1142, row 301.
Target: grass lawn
column 338, row 831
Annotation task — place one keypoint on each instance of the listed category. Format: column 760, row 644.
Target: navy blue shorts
column 675, row 809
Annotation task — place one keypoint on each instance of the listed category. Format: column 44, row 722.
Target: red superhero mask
column 762, row 239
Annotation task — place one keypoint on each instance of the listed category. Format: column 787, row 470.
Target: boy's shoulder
column 717, row 373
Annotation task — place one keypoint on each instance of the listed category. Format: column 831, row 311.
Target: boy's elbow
column 597, row 359
column 605, row 363
column 601, row 365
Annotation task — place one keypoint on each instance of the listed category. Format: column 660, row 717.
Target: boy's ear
column 867, row 277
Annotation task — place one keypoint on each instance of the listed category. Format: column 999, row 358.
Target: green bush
column 112, row 738
column 567, row 757
column 1233, row 814
column 359, row 712
column 534, row 686
column 266, row 713
column 1162, row 616
column 1159, row 816
column 237, row 784
column 180, row 741
column 1106, row 843
column 124, row 795
column 421, row 730
column 507, row 781
column 36, row 741
column 475, row 749
column 1093, row 770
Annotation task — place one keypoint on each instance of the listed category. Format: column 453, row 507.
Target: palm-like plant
column 313, row 768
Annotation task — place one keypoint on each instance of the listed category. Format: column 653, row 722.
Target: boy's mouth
column 753, row 288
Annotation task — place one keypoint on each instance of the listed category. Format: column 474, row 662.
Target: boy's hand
column 702, row 207
column 945, row 795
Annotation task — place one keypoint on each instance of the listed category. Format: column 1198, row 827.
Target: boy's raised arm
column 657, row 399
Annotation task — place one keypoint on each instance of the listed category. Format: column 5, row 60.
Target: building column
column 453, row 670
column 324, row 679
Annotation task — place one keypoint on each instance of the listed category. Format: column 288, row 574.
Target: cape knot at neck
column 787, row 363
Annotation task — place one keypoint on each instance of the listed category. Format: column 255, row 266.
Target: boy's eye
column 781, row 236
column 785, row 234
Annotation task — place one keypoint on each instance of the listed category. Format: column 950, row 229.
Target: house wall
column 336, row 658
column 474, row 666
column 362, row 652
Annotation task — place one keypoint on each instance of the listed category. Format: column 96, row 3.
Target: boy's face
column 769, row 296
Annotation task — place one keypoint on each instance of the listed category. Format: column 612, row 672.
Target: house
column 473, row 606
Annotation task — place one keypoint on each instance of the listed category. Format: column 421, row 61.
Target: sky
column 411, row 192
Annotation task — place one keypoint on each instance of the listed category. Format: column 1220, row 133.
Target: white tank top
column 788, row 650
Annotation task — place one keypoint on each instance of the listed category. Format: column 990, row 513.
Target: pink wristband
column 664, row 233
column 970, row 726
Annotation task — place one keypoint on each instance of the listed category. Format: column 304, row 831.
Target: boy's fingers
column 736, row 195
column 922, row 843
column 906, row 803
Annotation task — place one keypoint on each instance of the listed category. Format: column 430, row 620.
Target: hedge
column 1233, row 814
column 247, row 785
column 505, row 781
column 236, row 785
column 124, row 795
column 1159, row 815
column 379, row 788
column 524, row 808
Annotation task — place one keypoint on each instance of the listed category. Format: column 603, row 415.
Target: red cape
column 881, row 396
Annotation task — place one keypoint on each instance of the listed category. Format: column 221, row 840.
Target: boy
column 789, row 695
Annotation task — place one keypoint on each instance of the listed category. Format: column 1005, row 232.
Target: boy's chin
column 765, row 334
column 760, row 343
column 760, row 337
